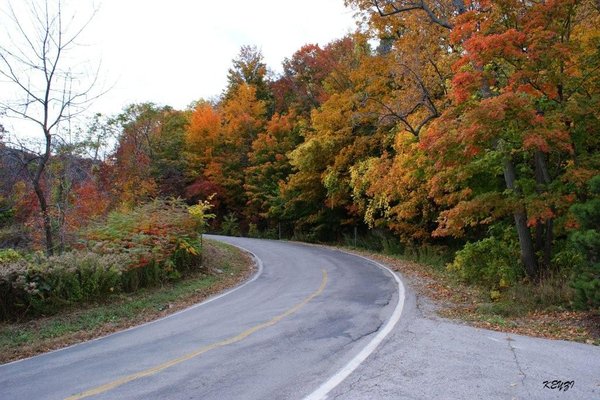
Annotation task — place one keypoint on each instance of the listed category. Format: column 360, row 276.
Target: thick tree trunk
column 520, row 216
column 527, row 251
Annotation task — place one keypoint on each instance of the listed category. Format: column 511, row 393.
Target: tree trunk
column 45, row 217
column 544, row 234
column 527, row 251
column 548, row 243
column 520, row 216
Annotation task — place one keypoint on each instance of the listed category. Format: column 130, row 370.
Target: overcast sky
column 176, row 51
column 173, row 52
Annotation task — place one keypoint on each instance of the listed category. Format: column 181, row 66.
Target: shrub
column 151, row 244
column 435, row 256
column 80, row 276
column 8, row 255
column 253, row 231
column 159, row 235
column 201, row 213
column 43, row 284
column 392, row 246
column 586, row 241
column 489, row 262
column 230, row 225
column 14, row 236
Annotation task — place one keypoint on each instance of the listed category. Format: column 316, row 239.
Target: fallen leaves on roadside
column 457, row 301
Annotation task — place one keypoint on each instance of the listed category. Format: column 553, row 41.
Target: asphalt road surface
column 427, row 357
column 312, row 324
column 303, row 323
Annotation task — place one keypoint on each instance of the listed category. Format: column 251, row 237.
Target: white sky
column 173, row 52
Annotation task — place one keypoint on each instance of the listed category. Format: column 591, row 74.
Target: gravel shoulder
column 439, row 296
column 431, row 356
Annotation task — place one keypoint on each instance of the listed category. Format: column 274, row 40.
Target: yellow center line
column 161, row 367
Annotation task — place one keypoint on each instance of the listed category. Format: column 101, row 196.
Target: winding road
column 312, row 323
column 302, row 324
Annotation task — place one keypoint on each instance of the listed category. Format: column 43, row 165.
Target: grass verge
column 226, row 265
column 524, row 309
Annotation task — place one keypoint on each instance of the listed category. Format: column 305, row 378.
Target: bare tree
column 49, row 87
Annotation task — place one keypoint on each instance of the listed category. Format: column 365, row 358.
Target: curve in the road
column 171, row 363
column 322, row 391
column 280, row 335
column 259, row 267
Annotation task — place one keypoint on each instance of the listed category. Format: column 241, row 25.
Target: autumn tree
column 47, row 88
column 392, row 191
column 243, row 118
column 202, row 144
column 503, row 146
column 132, row 182
column 389, row 188
column 248, row 69
column 78, row 195
column 302, row 78
column 318, row 194
column 218, row 141
column 168, row 165
column 269, row 167
column 301, row 87
column 438, row 12
column 147, row 161
column 202, row 135
column 404, row 89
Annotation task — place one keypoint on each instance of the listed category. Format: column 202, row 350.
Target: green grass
column 119, row 311
column 116, row 310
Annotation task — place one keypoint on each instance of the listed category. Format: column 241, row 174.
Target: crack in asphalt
column 516, row 358
column 372, row 331
column 386, row 302
column 356, row 339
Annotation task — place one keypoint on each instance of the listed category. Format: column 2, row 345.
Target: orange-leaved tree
column 503, row 147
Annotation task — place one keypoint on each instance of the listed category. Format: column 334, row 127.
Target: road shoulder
column 429, row 356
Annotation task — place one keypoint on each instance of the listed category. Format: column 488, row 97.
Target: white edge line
column 259, row 264
column 321, row 392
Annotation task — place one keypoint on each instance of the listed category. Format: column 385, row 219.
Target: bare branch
column 396, row 10
column 386, row 8
column 434, row 18
column 24, row 35
column 34, row 63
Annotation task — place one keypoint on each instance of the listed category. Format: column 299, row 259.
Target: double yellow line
column 161, row 367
